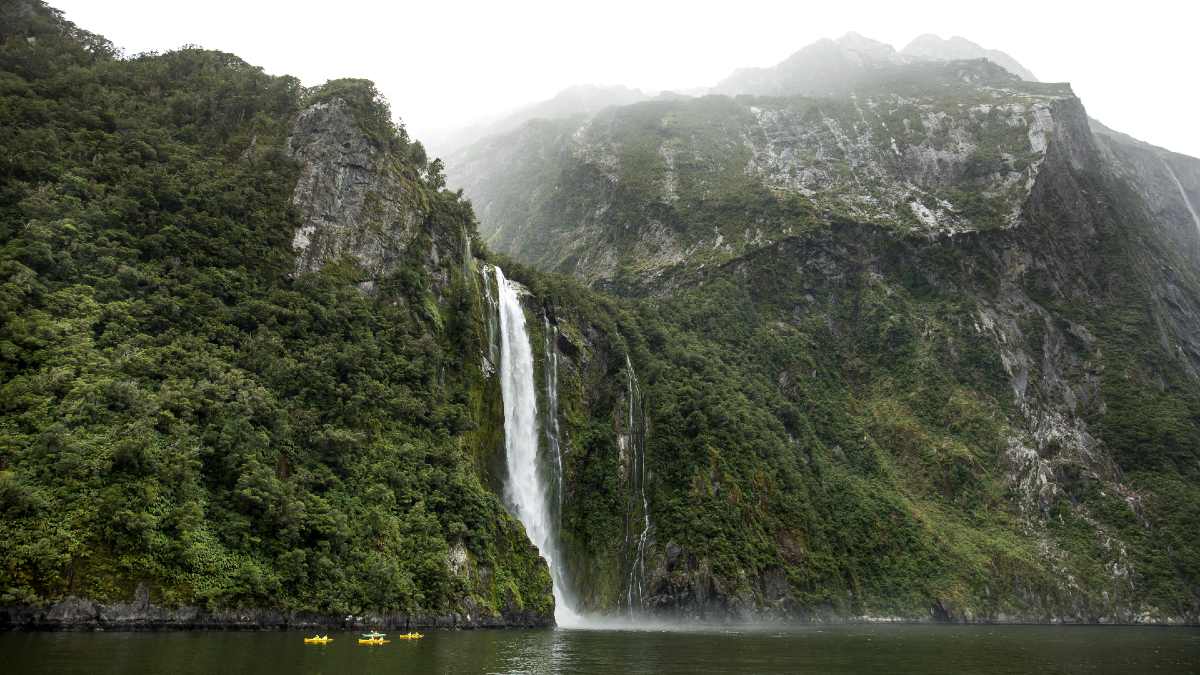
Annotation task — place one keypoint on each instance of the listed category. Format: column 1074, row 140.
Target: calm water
column 839, row 649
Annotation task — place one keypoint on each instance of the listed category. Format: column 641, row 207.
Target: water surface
column 825, row 649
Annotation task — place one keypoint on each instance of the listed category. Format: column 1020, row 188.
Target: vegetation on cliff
column 898, row 356
column 177, row 410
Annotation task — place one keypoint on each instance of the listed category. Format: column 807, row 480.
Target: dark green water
column 838, row 649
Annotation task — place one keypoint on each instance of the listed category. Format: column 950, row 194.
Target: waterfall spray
column 526, row 488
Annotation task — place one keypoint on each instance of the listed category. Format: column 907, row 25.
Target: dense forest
column 177, row 409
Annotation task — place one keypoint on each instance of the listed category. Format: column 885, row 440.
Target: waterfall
column 526, row 488
column 635, row 595
column 552, row 442
column 1183, row 193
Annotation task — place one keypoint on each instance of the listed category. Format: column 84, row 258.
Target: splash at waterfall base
column 597, row 574
column 526, row 490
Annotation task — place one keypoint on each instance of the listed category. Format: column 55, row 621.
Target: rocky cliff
column 646, row 190
column 922, row 346
column 341, row 173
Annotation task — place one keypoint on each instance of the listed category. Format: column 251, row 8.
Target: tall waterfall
column 635, row 593
column 526, row 489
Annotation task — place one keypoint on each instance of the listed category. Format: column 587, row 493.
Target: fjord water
column 825, row 649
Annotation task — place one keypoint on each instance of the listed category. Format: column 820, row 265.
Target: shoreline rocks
column 83, row 614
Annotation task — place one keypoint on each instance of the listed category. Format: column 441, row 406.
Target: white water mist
column 526, row 488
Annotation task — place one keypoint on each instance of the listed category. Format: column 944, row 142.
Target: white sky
column 445, row 63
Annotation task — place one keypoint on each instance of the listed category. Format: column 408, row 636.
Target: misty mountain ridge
column 574, row 100
column 831, row 67
column 825, row 67
column 930, row 47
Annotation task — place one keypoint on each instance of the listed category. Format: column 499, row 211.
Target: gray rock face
column 957, row 151
column 1168, row 182
column 351, row 202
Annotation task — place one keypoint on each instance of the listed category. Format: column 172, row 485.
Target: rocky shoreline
column 141, row 615
column 81, row 614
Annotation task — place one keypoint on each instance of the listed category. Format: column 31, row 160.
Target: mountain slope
column 198, row 425
column 639, row 191
column 944, row 336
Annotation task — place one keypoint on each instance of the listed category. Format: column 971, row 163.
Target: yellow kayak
column 410, row 636
column 372, row 641
column 318, row 640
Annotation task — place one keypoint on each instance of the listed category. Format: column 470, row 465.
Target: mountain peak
column 834, row 67
column 867, row 49
column 930, row 47
column 821, row 68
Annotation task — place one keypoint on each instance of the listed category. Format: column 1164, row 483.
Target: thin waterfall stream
column 550, row 350
column 636, row 587
column 1183, row 193
column 527, row 487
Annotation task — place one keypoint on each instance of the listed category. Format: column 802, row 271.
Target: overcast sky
column 445, row 63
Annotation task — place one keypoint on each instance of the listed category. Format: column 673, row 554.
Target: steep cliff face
column 654, row 189
column 1036, row 374
column 361, row 196
column 351, row 204
column 926, row 350
column 414, row 255
column 591, row 431
column 1167, row 182
column 365, row 200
